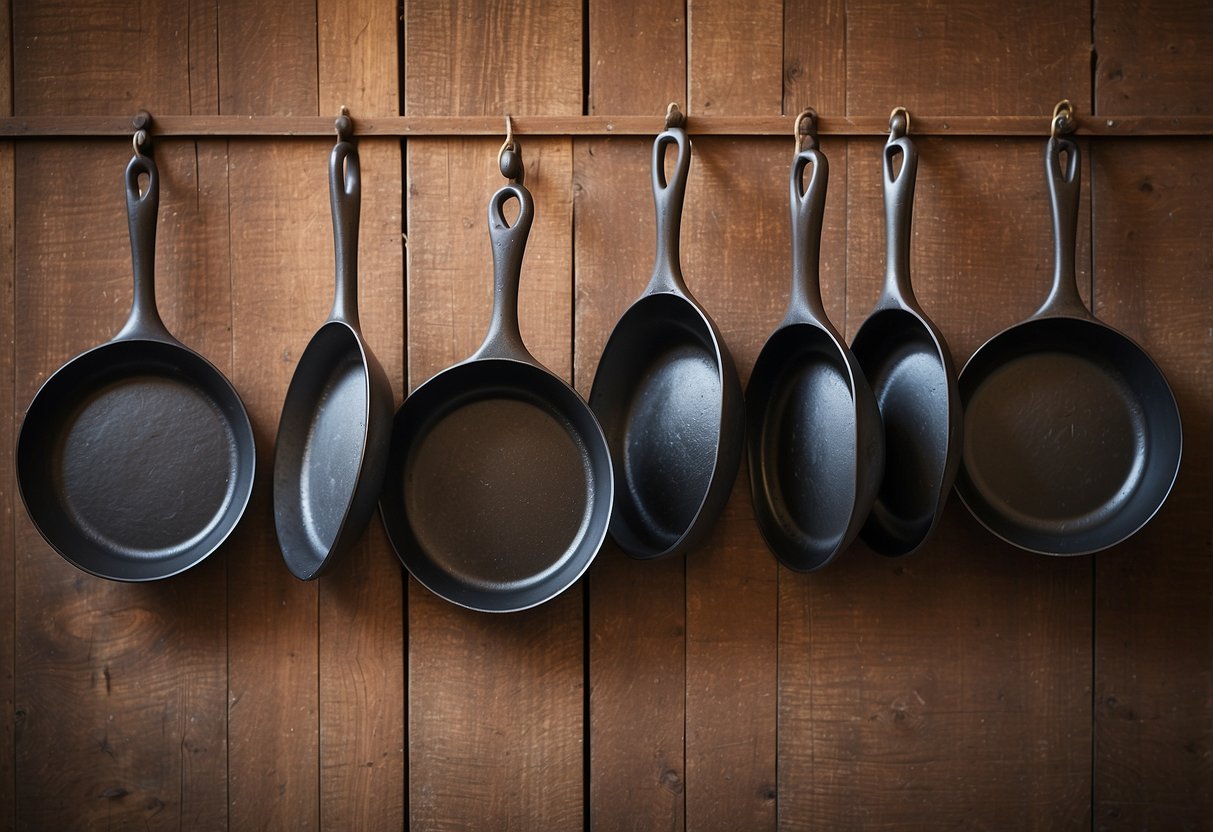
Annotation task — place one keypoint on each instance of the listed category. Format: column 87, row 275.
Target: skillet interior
column 1072, row 436
column 136, row 460
column 659, row 396
column 802, row 430
column 498, row 491
column 320, row 459
column 901, row 361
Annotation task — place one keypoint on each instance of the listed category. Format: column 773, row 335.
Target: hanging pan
column 906, row 360
column 1072, row 434
column 333, row 437
column 815, row 439
column 667, row 394
column 135, row 459
column 498, row 488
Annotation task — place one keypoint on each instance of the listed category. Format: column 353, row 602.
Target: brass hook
column 893, row 126
column 673, row 117
column 343, row 125
column 800, row 129
column 509, row 157
column 138, row 140
column 1062, row 120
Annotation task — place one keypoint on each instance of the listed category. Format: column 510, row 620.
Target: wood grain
column 471, row 57
column 637, row 57
column 120, row 689
column 734, row 57
column 362, row 696
column 969, row 57
column 100, row 57
column 495, row 702
column 960, row 642
column 267, row 57
column 8, row 427
column 1152, row 263
column 280, row 226
column 732, row 589
column 815, row 56
column 1154, row 58
column 637, row 632
column 1154, row 614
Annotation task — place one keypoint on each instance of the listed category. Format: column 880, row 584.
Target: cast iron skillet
column 1072, row 434
column 135, row 459
column 667, row 395
column 498, row 492
column 815, row 439
column 906, row 360
column 333, row 437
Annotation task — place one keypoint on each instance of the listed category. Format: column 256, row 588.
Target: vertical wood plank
column 1152, row 256
column 735, row 67
column 732, row 589
column 267, row 58
column 362, row 681
column 100, row 57
column 120, row 688
column 637, row 610
column 815, row 56
column 476, row 57
column 1153, row 58
column 8, row 422
column 1154, row 614
column 637, row 56
column 967, row 58
column 735, row 58
column 495, row 702
column 279, row 226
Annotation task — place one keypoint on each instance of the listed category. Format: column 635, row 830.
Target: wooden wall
column 969, row 685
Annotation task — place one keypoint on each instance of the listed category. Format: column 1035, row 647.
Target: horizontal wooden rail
column 37, row 127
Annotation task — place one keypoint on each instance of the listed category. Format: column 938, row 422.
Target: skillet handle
column 808, row 211
column 345, row 198
column 504, row 339
column 1065, row 190
column 667, row 199
column 899, row 214
column 142, row 209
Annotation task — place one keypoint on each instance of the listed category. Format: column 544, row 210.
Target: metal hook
column 800, row 129
column 141, row 123
column 1062, row 120
column 138, row 140
column 509, row 157
column 344, row 125
column 894, row 127
column 674, row 117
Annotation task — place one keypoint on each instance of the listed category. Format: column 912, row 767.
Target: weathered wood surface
column 969, row 685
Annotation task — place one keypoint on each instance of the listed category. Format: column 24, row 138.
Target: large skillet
column 907, row 362
column 135, row 459
column 1072, row 434
column 815, row 439
column 333, row 437
column 499, row 487
column 667, row 394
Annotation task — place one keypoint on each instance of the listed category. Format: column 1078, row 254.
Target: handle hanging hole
column 142, row 183
column 806, row 176
column 897, row 160
column 669, row 163
column 511, row 208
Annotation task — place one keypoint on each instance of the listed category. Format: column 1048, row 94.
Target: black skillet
column 1072, row 434
column 815, row 439
column 667, row 394
column 333, row 437
column 498, row 492
column 906, row 360
column 135, row 459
